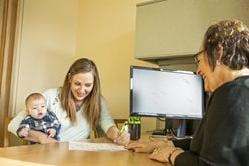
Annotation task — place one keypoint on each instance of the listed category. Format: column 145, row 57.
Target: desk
column 58, row 154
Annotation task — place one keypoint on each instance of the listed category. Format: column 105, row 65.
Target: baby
column 38, row 118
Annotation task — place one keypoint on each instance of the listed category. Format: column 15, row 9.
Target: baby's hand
column 51, row 132
column 24, row 132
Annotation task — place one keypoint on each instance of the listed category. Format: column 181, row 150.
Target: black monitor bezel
column 161, row 115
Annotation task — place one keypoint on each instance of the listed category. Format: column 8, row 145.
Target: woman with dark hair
column 223, row 135
column 79, row 107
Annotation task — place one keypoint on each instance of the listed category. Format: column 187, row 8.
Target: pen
column 124, row 128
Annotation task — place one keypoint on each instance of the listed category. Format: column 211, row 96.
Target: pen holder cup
column 134, row 130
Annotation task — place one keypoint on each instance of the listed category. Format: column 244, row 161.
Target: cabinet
column 168, row 29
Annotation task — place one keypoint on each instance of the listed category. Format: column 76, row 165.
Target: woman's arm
column 37, row 136
column 148, row 147
column 166, row 154
column 226, row 106
column 107, row 124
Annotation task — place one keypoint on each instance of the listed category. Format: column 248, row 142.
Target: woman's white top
column 69, row 131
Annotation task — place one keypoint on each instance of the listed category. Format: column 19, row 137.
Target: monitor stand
column 181, row 130
column 175, row 128
column 168, row 128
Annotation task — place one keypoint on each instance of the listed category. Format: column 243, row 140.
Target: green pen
column 124, row 128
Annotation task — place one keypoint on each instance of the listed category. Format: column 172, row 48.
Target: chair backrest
column 8, row 135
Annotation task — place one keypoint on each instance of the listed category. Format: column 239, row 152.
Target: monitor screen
column 164, row 93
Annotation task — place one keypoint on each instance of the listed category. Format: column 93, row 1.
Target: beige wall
column 56, row 32
column 106, row 35
column 46, row 46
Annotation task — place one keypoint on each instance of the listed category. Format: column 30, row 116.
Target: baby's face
column 37, row 108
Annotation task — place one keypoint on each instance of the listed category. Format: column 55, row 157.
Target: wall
column 46, row 46
column 106, row 35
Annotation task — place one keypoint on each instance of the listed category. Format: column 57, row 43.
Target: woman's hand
column 162, row 153
column 145, row 147
column 37, row 136
column 46, row 139
column 123, row 138
column 117, row 137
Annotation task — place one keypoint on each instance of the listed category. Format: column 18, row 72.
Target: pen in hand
column 122, row 134
column 124, row 128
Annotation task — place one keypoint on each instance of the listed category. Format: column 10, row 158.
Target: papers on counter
column 86, row 146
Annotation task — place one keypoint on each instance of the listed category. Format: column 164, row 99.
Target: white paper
column 86, row 146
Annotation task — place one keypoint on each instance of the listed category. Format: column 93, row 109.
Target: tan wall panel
column 106, row 35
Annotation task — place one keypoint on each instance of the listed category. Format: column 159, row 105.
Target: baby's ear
column 27, row 110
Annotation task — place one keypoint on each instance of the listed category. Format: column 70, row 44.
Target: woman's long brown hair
column 92, row 103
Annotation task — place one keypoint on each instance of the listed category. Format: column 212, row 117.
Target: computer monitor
column 163, row 93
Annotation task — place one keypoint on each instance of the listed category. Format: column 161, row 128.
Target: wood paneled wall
column 8, row 15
